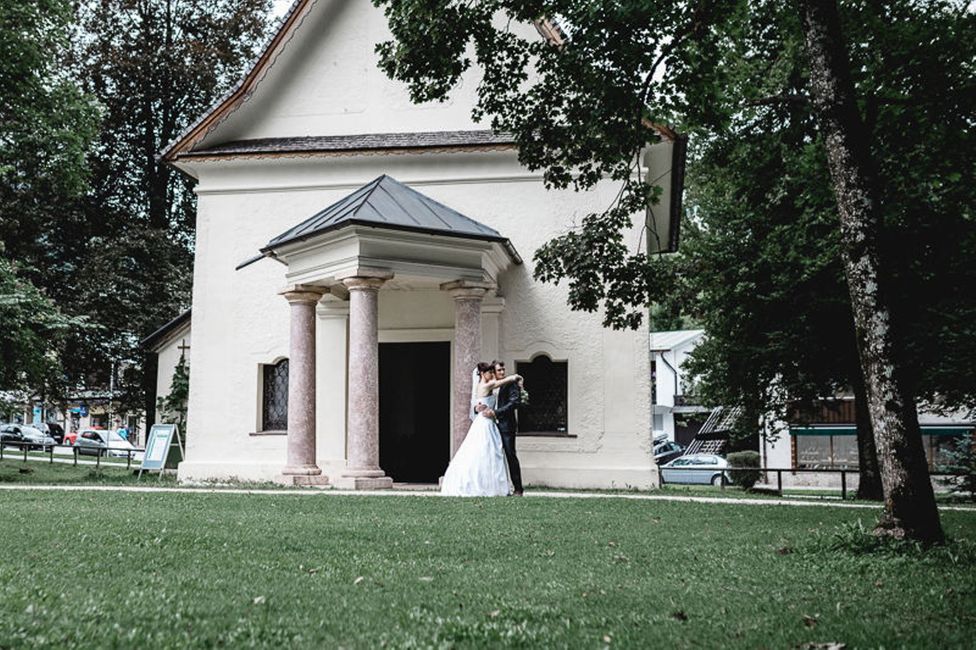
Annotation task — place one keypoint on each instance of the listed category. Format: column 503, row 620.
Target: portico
column 384, row 237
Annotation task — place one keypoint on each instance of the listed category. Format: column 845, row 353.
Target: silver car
column 696, row 469
column 37, row 439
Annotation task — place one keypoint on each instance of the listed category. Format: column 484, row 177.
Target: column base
column 363, row 483
column 307, row 479
column 302, row 470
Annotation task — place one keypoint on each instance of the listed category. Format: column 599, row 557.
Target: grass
column 43, row 473
column 94, row 569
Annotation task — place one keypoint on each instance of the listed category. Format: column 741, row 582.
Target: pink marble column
column 467, row 350
column 301, row 467
column 363, row 429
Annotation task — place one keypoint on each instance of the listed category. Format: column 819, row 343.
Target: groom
column 506, row 406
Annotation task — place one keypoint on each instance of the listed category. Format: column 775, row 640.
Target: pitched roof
column 240, row 92
column 387, row 203
column 157, row 337
column 662, row 341
column 356, row 143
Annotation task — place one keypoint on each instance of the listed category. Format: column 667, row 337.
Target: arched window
column 274, row 400
column 547, row 384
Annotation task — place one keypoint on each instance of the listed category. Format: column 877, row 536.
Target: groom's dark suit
column 506, row 405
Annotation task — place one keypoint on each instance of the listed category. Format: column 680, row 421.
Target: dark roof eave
column 269, row 250
column 166, row 329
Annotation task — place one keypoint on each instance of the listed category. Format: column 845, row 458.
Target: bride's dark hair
column 484, row 367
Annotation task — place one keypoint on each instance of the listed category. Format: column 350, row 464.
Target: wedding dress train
column 479, row 468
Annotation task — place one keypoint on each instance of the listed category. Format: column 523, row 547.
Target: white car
column 697, row 468
column 91, row 440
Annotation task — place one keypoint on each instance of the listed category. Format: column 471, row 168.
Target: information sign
column 161, row 437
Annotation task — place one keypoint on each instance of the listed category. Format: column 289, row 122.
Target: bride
column 479, row 468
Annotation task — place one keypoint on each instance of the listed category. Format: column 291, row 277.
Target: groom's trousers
column 508, row 442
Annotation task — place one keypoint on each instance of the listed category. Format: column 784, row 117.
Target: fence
column 725, row 480
column 98, row 452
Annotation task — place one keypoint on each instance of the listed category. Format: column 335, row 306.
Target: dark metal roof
column 156, row 337
column 352, row 143
column 387, row 203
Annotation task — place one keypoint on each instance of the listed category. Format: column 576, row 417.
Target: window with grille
column 274, row 402
column 547, row 384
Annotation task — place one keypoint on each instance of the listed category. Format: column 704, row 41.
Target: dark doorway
column 415, row 410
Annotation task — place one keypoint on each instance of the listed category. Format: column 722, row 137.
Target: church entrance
column 415, row 410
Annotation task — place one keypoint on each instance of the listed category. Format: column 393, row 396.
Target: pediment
column 318, row 77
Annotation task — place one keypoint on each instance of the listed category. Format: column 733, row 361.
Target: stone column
column 468, row 295
column 301, row 467
column 363, row 425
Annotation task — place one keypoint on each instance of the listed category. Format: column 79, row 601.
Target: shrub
column 744, row 459
column 962, row 461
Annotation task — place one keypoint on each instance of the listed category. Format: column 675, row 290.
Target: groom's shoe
column 518, row 493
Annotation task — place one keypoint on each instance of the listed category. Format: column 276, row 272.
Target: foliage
column 580, row 112
column 121, row 253
column 46, row 125
column 33, row 332
column 745, row 459
column 417, row 572
column 962, row 461
column 172, row 407
column 734, row 74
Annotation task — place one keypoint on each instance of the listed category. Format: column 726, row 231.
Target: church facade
column 356, row 255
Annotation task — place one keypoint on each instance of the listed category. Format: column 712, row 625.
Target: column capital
column 358, row 283
column 303, row 293
column 462, row 289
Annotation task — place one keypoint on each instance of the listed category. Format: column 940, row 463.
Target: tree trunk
column 910, row 510
column 869, row 480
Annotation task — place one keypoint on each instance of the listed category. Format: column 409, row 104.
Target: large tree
column 46, row 126
column 778, row 319
column 580, row 110
column 154, row 66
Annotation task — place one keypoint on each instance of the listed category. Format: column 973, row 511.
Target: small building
column 677, row 413
column 165, row 346
column 357, row 254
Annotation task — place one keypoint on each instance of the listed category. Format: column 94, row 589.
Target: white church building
column 357, row 254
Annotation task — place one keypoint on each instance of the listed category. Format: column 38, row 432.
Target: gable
column 319, row 77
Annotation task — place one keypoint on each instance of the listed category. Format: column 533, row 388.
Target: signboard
column 158, row 443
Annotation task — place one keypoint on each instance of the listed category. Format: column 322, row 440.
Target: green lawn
column 15, row 470
column 97, row 569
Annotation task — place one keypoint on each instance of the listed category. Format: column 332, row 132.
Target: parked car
column 11, row 436
column 71, row 437
column 693, row 469
column 28, row 435
column 52, row 429
column 90, row 441
column 666, row 450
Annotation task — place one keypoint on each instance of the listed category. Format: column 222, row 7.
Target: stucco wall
column 168, row 355
column 240, row 322
column 325, row 82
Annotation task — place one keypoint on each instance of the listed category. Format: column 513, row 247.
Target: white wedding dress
column 479, row 468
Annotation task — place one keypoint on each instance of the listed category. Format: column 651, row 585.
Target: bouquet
column 523, row 396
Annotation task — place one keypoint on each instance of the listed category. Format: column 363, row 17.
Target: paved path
column 313, row 492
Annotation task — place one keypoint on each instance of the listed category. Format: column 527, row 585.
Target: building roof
column 387, row 203
column 241, row 91
column 338, row 144
column 664, row 341
column 152, row 341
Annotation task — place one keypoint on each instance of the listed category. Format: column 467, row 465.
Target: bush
column 744, row 459
column 962, row 461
